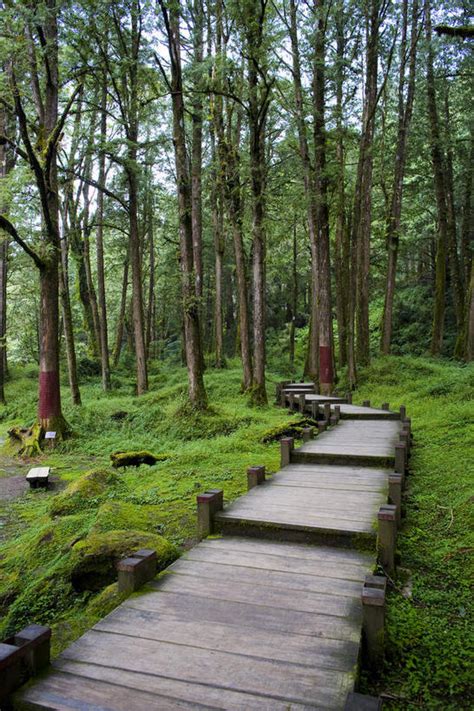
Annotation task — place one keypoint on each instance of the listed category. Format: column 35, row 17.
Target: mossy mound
column 290, row 429
column 113, row 515
column 136, row 459
column 94, row 559
column 84, row 492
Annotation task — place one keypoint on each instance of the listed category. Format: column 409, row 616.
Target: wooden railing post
column 366, row 403
column 337, row 412
column 387, row 535
column 327, row 411
column 308, row 433
column 385, row 406
column 22, row 656
column 302, row 402
column 400, row 458
column 314, row 410
column 403, row 412
column 395, row 482
column 208, row 504
column 286, row 447
column 255, row 476
column 135, row 571
column 373, row 619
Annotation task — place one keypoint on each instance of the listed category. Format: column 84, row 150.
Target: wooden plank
column 295, row 682
column 325, row 604
column 38, row 473
column 305, row 515
column 288, row 520
column 263, row 644
column 85, row 687
column 251, row 614
column 287, row 494
column 261, row 579
column 286, row 550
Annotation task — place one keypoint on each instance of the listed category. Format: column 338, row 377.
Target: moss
column 113, row 515
column 84, row 492
column 94, row 559
column 292, row 428
column 136, row 459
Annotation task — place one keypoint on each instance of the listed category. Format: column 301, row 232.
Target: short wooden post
column 406, row 425
column 337, row 412
column 333, row 420
column 291, row 400
column 135, row 571
column 403, row 412
column 373, row 618
column 404, row 438
column 400, row 458
column 395, row 482
column 349, row 398
column 314, row 410
column 366, row 403
column 308, row 433
column 22, row 656
column 302, row 402
column 385, row 406
column 283, row 398
column 327, row 411
column 286, row 446
column 208, row 504
column 387, row 520
column 322, row 424
column 255, row 476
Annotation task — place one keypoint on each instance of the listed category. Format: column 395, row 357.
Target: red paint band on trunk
column 49, row 397
column 325, row 364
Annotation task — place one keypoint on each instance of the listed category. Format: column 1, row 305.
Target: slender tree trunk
column 68, row 324
column 405, row 110
column 103, row 326
column 121, row 318
column 312, row 357
column 192, row 331
column 7, row 161
column 440, row 192
column 362, row 220
column 90, row 297
column 196, row 154
column 151, row 312
column 294, row 297
column 469, row 353
column 326, row 371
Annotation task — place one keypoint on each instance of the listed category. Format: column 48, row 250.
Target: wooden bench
column 38, row 477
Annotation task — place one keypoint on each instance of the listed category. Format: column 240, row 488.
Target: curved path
column 243, row 622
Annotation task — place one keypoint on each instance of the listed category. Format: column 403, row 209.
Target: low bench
column 38, row 477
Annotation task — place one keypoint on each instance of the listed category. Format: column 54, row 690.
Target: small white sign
column 50, row 435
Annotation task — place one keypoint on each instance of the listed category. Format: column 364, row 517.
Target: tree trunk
column 294, row 297
column 103, row 326
column 121, row 318
column 68, row 324
column 312, row 356
column 440, row 192
column 405, row 110
column 326, row 372
column 192, row 331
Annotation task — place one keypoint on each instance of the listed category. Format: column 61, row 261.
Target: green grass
column 428, row 630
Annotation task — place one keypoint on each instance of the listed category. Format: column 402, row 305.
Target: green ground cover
column 57, row 546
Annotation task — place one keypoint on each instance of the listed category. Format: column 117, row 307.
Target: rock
column 135, row 459
column 94, row 559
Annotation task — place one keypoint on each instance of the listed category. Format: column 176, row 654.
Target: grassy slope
column 428, row 632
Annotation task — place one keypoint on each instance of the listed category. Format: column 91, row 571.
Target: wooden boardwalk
column 243, row 622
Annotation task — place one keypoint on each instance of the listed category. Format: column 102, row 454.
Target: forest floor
column 53, row 544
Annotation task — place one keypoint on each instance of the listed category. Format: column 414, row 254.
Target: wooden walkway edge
column 268, row 611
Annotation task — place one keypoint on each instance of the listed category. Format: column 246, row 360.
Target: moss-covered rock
column 84, row 492
column 293, row 428
column 94, row 559
column 135, row 459
column 122, row 515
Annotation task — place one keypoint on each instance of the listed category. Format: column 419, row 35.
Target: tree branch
column 7, row 226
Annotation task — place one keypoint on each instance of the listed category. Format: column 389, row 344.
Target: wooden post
column 302, row 402
column 22, row 656
column 314, row 410
column 366, row 403
column 308, row 433
column 404, row 438
column 337, row 412
column 373, row 618
column 349, row 398
column 406, row 425
column 286, row 446
column 135, row 571
column 395, row 482
column 333, row 420
column 208, row 504
column 291, row 400
column 322, row 424
column 385, row 406
column 327, row 411
column 255, row 476
column 400, row 458
column 387, row 537
column 403, row 412
column 283, row 398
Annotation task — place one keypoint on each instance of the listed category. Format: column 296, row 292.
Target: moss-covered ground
column 56, row 546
